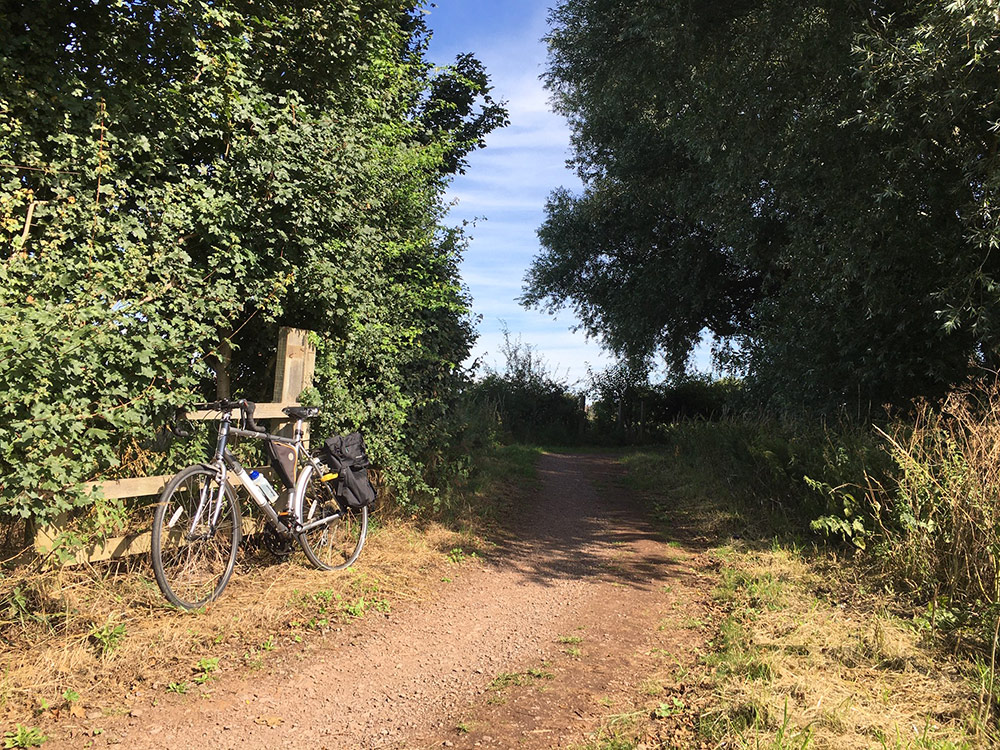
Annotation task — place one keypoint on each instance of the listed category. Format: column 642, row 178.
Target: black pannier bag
column 282, row 460
column 346, row 455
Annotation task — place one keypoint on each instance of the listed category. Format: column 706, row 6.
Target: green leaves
column 810, row 184
column 178, row 174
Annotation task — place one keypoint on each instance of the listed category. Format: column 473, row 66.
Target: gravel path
column 575, row 605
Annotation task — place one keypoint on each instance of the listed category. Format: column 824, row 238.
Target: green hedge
column 178, row 179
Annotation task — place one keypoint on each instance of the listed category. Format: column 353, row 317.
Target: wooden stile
column 294, row 373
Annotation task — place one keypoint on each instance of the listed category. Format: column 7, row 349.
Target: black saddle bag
column 346, row 455
column 282, row 460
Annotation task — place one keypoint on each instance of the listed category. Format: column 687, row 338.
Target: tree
column 530, row 401
column 179, row 178
column 741, row 181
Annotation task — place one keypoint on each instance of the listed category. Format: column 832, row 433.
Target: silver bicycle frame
column 297, row 493
column 221, row 475
column 298, row 498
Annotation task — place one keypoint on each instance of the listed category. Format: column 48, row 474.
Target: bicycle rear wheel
column 194, row 558
column 336, row 545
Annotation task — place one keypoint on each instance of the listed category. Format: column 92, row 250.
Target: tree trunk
column 223, row 362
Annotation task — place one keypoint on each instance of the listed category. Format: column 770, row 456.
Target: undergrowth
column 824, row 637
column 915, row 502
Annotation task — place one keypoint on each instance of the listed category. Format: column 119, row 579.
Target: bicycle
column 198, row 525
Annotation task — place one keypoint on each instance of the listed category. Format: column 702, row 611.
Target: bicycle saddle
column 301, row 412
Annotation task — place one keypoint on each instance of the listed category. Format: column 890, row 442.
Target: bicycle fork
column 204, row 501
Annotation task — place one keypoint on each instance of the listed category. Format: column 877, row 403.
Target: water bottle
column 261, row 481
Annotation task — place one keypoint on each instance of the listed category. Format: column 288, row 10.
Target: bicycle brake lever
column 248, row 408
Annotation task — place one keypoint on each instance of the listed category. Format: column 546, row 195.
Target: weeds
column 204, row 669
column 107, row 638
column 666, row 710
column 22, row 736
column 508, row 679
column 789, row 665
column 457, row 555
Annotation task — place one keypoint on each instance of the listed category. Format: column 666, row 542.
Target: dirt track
column 580, row 603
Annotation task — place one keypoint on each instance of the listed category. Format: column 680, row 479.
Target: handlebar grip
column 248, row 408
column 180, row 425
column 182, row 428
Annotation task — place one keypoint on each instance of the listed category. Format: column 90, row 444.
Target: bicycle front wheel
column 337, row 544
column 196, row 535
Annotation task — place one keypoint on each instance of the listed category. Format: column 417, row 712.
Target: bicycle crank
column 279, row 546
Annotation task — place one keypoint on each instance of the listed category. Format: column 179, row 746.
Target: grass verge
column 801, row 649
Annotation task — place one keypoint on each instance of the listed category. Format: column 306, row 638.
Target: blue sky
column 505, row 187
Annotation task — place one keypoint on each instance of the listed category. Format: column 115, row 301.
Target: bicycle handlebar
column 223, row 405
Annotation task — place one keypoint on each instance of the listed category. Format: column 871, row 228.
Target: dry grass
column 845, row 675
column 941, row 518
column 787, row 668
column 79, row 638
column 805, row 651
column 105, row 632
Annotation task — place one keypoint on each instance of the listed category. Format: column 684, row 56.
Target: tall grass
column 939, row 516
column 774, row 474
column 916, row 499
column 939, row 524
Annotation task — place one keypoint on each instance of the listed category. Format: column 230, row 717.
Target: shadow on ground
column 589, row 527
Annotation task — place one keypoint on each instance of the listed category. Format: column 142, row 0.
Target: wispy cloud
column 509, row 181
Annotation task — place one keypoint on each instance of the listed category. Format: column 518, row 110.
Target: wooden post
column 296, row 364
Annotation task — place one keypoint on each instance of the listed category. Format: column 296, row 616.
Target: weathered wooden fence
column 296, row 362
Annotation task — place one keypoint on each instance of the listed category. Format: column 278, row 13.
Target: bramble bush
column 178, row 179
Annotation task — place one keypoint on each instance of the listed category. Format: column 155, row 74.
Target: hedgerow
column 178, row 178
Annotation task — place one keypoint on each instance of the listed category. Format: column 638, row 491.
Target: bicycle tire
column 337, row 545
column 193, row 572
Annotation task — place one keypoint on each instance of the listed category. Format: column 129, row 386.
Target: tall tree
column 745, row 177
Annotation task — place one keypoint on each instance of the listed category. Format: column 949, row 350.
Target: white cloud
column 509, row 181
